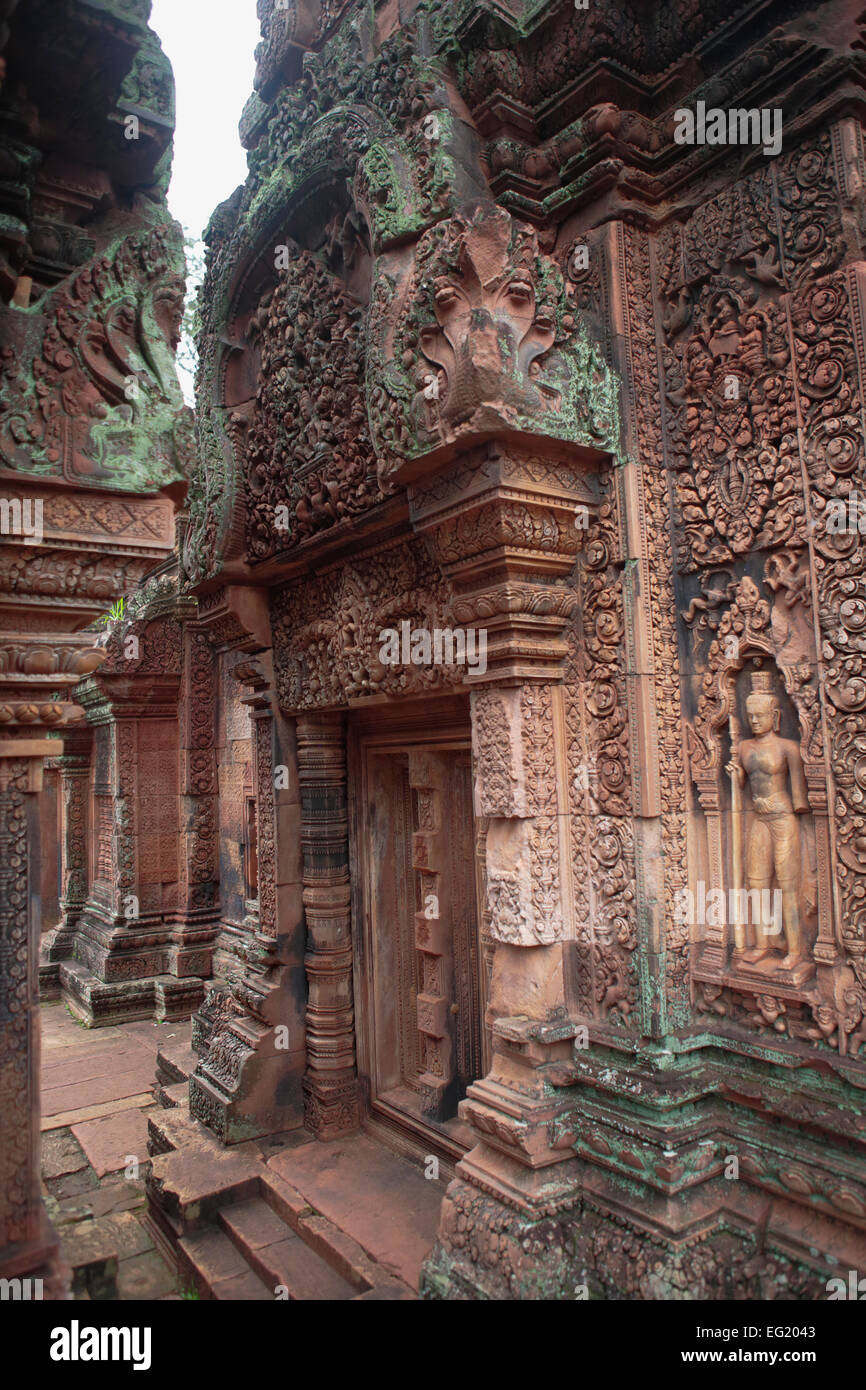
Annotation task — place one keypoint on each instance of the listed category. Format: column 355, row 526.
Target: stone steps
column 91, row 1251
column 238, row 1230
column 172, row 1097
column 249, row 1252
column 175, row 1061
column 209, row 1262
column 335, row 1246
column 281, row 1259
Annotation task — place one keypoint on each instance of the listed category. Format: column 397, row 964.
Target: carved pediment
column 472, row 334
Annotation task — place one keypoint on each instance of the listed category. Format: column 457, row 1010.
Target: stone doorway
column 422, row 961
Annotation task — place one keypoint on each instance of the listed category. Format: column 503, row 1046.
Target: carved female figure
column 777, row 782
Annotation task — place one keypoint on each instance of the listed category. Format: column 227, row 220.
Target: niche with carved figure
column 759, row 899
column 771, row 899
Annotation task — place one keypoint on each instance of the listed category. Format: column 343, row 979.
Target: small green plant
column 191, row 1293
column 115, row 612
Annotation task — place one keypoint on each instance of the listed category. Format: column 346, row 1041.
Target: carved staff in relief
column 737, row 833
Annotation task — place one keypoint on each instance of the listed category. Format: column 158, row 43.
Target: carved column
column 74, row 765
column 28, row 1245
column 137, row 945
column 330, row 1085
column 231, row 1032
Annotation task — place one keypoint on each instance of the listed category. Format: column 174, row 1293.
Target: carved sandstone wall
column 485, row 345
column 94, row 446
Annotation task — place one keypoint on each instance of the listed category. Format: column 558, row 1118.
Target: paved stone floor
column 97, row 1087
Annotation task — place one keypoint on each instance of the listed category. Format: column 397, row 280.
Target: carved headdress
column 762, row 683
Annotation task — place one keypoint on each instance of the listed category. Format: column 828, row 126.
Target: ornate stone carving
column 328, row 636
column 330, row 1085
column 28, row 1241
column 475, row 334
column 68, row 408
column 622, row 466
column 308, row 460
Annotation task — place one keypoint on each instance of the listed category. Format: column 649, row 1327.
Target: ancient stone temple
column 94, row 449
column 485, row 770
column 530, row 440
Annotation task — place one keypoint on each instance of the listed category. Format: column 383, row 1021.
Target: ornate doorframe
column 424, row 732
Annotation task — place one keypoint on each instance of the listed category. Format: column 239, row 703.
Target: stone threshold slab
column 96, row 1112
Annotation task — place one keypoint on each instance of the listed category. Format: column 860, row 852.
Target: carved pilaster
column 330, row 1085
column 27, row 1242
column 507, row 524
column 249, row 1033
column 519, row 754
column 74, row 768
column 137, row 950
column 192, row 948
column 263, row 743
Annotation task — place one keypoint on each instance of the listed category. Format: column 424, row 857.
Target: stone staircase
column 236, row 1230
column 251, row 1252
column 175, row 1061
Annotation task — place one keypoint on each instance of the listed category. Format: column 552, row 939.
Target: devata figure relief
column 772, row 768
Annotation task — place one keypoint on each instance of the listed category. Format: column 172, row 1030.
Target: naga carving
column 88, row 391
column 475, row 334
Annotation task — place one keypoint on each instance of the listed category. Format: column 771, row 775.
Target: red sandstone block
column 286, row 1200
column 252, row 1224
column 243, row 1288
column 293, row 1266
column 209, row 1258
column 392, row 1291
column 57, row 1099
column 340, row 1251
column 111, row 1142
column 353, row 1182
column 145, row 1277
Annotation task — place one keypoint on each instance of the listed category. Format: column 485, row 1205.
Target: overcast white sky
column 211, row 45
